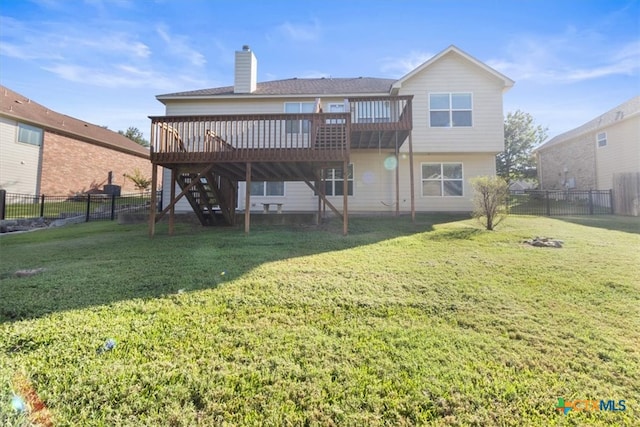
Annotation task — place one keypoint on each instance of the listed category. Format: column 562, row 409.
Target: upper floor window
column 29, row 134
column 442, row 179
column 450, row 109
column 298, row 126
column 601, row 138
column 267, row 188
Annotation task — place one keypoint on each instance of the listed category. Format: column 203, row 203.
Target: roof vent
column 246, row 48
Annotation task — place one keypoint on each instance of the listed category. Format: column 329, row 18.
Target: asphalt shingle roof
column 296, row 86
column 20, row 108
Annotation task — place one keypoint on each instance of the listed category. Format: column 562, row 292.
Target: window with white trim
column 267, row 188
column 334, row 181
column 450, row 110
column 298, row 126
column 29, row 134
column 601, row 139
column 442, row 179
column 335, row 107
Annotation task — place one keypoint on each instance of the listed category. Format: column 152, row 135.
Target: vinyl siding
column 621, row 154
column 374, row 186
column 19, row 163
column 455, row 74
column 237, row 106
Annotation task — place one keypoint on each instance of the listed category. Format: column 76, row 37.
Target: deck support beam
column 154, row 197
column 324, row 198
column 411, row 180
column 247, row 200
column 345, row 198
column 172, row 211
column 397, row 154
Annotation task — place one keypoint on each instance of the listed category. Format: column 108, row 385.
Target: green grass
column 433, row 323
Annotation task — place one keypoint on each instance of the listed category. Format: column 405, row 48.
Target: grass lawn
column 433, row 323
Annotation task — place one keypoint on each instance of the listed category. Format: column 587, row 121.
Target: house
column 587, row 157
column 603, row 154
column 45, row 152
column 352, row 144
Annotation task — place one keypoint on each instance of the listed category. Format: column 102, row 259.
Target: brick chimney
column 246, row 71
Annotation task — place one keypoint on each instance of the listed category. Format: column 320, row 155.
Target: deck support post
column 154, row 196
column 247, row 199
column 345, row 197
column 397, row 154
column 411, row 180
column 172, row 211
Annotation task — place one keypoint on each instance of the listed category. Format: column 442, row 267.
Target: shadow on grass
column 627, row 224
column 97, row 264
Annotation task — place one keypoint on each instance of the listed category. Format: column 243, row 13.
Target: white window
column 267, row 188
column 372, row 112
column 29, row 134
column 334, row 180
column 298, row 126
column 450, row 110
column 442, row 179
column 335, row 108
column 601, row 138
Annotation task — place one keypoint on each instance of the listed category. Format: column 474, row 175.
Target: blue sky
column 104, row 61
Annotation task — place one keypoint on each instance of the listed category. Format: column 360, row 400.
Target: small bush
column 490, row 200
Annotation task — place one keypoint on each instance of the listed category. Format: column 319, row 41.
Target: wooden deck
column 208, row 155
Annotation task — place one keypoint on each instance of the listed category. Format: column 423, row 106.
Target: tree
column 490, row 195
column 521, row 135
column 135, row 135
column 140, row 181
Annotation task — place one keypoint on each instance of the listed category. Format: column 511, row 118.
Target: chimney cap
column 246, row 48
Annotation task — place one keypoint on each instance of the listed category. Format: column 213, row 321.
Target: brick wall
column 576, row 156
column 70, row 166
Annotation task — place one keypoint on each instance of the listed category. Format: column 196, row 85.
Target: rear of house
column 413, row 143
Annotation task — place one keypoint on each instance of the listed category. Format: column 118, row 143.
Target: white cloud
column 567, row 58
column 300, row 32
column 399, row 66
column 120, row 76
column 179, row 46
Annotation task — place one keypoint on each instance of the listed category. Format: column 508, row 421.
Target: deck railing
column 276, row 137
column 250, row 137
column 381, row 113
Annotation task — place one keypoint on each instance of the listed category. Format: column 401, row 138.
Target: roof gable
column 23, row 109
column 508, row 83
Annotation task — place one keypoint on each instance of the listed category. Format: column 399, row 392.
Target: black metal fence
column 556, row 203
column 92, row 207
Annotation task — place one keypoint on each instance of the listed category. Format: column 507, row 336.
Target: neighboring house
column 588, row 157
column 45, row 152
column 407, row 145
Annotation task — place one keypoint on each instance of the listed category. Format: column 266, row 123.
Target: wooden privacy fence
column 626, row 192
column 556, row 203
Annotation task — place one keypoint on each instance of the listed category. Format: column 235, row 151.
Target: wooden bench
column 265, row 207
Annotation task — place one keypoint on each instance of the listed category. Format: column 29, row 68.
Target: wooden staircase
column 210, row 195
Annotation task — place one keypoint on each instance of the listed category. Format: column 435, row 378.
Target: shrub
column 490, row 200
